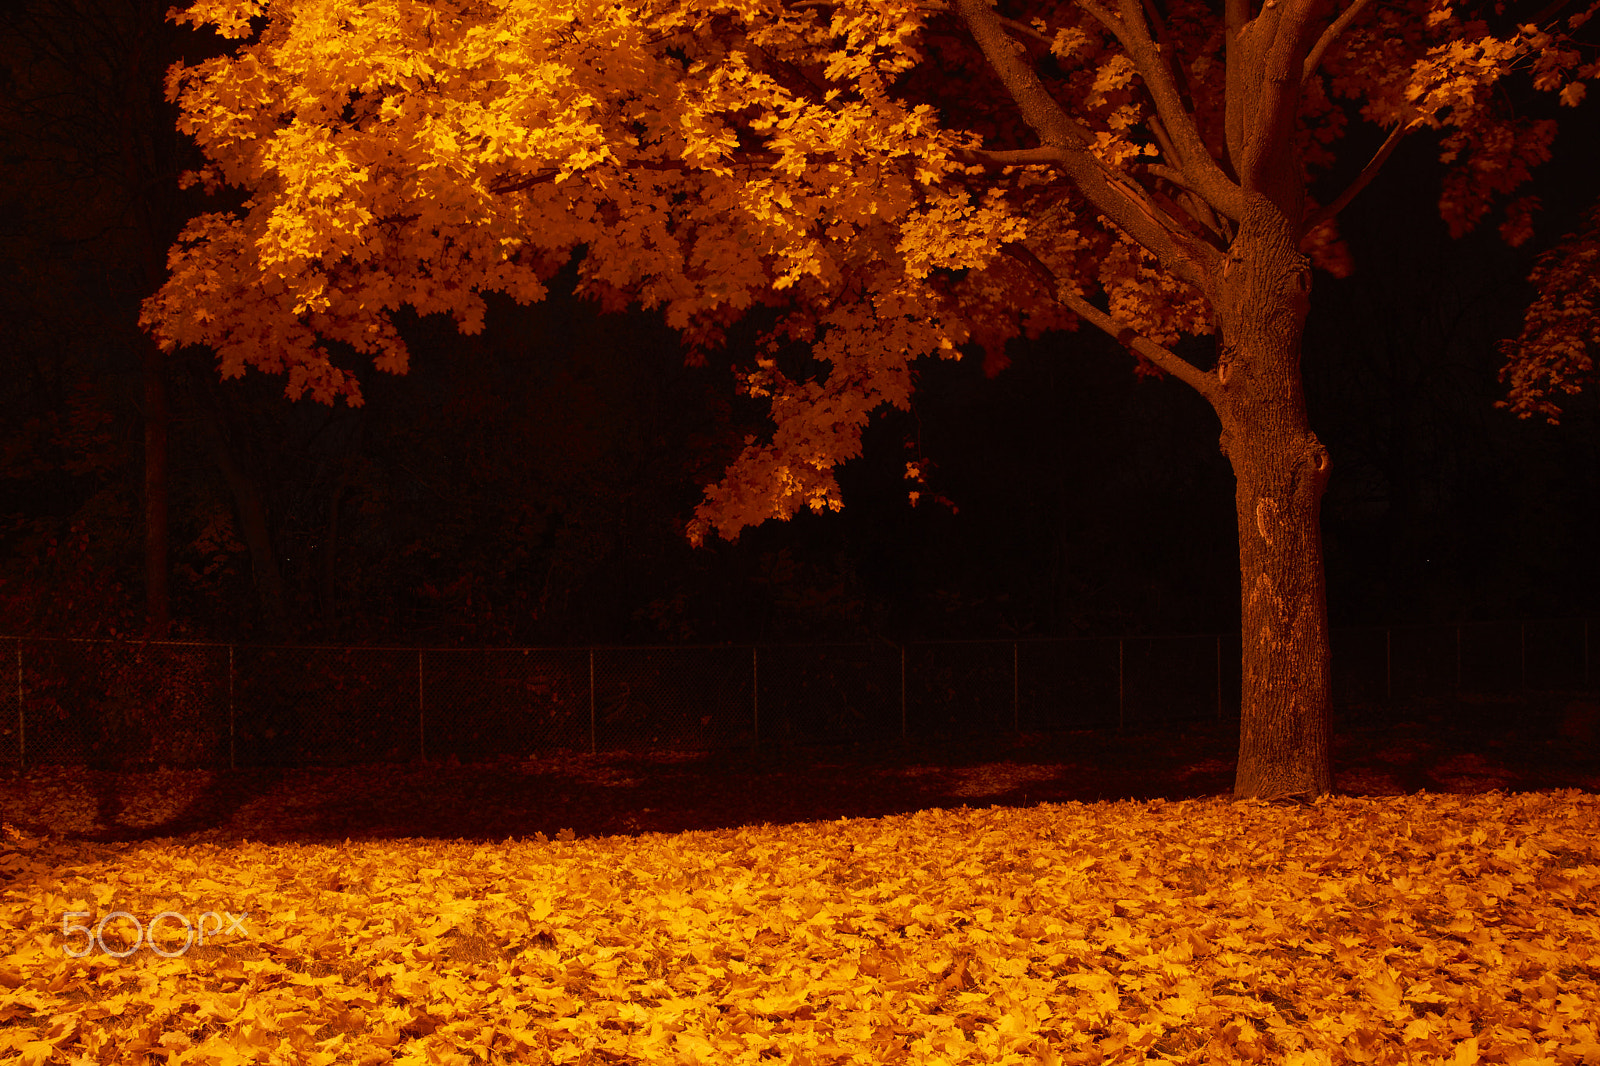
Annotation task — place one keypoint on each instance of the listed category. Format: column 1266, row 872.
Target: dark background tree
column 530, row 484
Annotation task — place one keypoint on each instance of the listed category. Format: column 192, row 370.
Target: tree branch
column 738, row 159
column 524, row 183
column 1044, row 116
column 1170, row 362
column 1206, row 178
column 1024, row 30
column 1235, row 14
column 1188, row 202
column 1187, row 207
column 1157, row 23
column 1154, row 208
column 1169, row 49
column 1172, row 174
column 1273, row 58
column 1124, row 205
column 1013, row 157
column 1368, row 172
column 1158, row 130
column 1329, row 35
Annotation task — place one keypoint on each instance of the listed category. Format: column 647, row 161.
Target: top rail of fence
column 265, row 706
column 1025, row 638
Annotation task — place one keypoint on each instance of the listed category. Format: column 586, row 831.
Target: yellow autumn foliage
column 1398, row 930
column 883, row 194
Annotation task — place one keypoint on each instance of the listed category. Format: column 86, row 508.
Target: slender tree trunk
column 251, row 507
column 142, row 171
column 328, row 558
column 158, row 609
column 1281, row 469
column 328, row 563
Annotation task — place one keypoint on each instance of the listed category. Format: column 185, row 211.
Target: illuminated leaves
column 1431, row 928
column 230, row 17
column 948, row 232
column 1496, row 161
column 1560, row 335
column 824, row 161
column 1450, row 87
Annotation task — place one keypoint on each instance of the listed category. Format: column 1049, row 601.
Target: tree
column 878, row 181
column 76, row 109
column 1555, row 351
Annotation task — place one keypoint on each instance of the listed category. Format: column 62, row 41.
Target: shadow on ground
column 1443, row 746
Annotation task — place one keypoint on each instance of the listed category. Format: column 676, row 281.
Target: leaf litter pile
column 1420, row 928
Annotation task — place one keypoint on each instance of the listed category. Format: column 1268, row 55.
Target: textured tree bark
column 1261, row 298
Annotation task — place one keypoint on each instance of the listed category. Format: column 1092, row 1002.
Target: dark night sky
column 531, row 484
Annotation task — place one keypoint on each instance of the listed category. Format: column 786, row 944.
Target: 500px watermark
column 145, row 934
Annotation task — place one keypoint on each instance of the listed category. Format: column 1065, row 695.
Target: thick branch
column 1044, row 116
column 1163, row 142
column 1022, row 29
column 1172, row 174
column 1192, row 204
column 1194, row 246
column 1235, row 14
column 1123, row 204
column 524, row 183
column 1170, row 362
column 1368, row 172
column 1186, row 204
column 1142, row 199
column 738, row 159
column 1281, row 44
column 1206, row 177
column 1013, row 157
column 1157, row 23
column 1329, row 35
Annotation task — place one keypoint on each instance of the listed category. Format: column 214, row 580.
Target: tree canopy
column 889, row 179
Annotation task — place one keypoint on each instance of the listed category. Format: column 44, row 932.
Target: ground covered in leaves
column 905, row 905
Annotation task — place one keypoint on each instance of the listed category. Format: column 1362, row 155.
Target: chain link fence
column 121, row 703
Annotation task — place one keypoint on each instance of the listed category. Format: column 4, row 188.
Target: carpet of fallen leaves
column 1386, row 926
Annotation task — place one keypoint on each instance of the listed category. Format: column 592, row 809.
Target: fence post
column 591, row 701
column 755, row 699
column 21, row 724
column 1016, row 717
column 231, row 765
column 1119, row 684
column 902, row 692
column 422, row 742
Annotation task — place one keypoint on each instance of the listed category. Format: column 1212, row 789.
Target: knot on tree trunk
column 1316, row 464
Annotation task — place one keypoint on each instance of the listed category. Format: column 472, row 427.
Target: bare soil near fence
column 1543, row 742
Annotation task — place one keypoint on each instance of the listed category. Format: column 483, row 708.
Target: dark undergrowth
column 1547, row 741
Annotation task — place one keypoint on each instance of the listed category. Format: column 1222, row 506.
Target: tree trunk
column 252, row 510
column 251, row 507
column 328, row 558
column 1261, row 297
column 328, row 561
column 158, row 609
